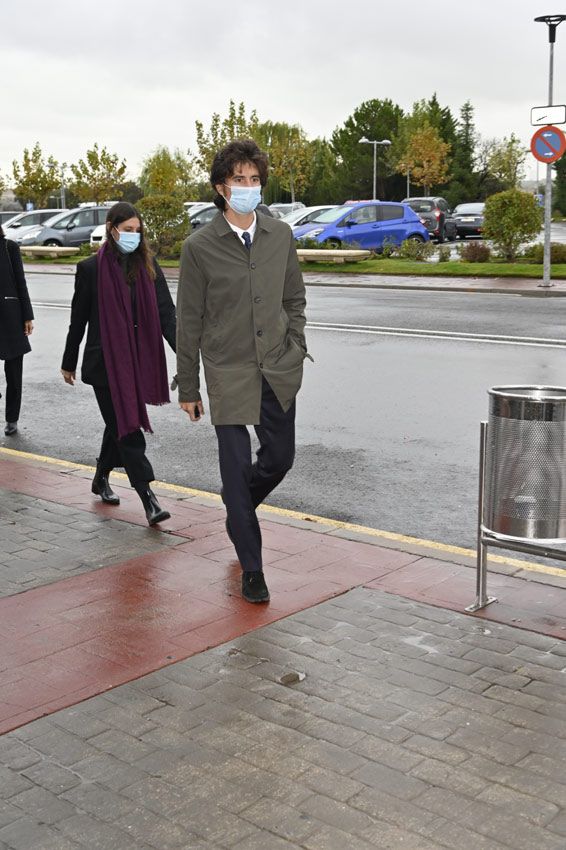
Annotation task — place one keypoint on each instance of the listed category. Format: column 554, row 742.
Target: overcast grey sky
column 135, row 75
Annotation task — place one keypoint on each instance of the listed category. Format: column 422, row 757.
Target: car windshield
column 475, row 209
column 421, row 206
column 330, row 215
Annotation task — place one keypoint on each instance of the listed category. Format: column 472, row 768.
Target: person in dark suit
column 16, row 324
column 122, row 295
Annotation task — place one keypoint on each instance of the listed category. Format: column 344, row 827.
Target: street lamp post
column 552, row 21
column 364, row 141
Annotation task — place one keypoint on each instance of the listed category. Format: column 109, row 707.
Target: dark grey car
column 436, row 216
column 469, row 219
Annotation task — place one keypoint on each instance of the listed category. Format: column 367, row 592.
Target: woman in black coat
column 16, row 324
column 122, row 295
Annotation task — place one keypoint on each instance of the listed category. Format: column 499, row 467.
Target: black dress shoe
column 153, row 510
column 11, row 429
column 254, row 588
column 101, row 487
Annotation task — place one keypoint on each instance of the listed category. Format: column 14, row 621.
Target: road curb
column 534, row 290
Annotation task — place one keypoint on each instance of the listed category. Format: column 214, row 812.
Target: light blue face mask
column 128, row 242
column 244, row 199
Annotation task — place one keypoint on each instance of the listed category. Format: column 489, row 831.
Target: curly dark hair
column 143, row 255
column 233, row 154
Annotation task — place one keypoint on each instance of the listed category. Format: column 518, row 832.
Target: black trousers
column 13, row 369
column 129, row 452
column 247, row 484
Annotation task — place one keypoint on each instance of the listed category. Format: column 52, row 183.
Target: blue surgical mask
column 244, row 199
column 128, row 242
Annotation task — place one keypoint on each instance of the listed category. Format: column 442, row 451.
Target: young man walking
column 241, row 306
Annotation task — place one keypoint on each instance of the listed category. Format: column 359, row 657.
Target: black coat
column 84, row 310
column 15, row 306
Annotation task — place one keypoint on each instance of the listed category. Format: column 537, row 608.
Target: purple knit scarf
column 136, row 367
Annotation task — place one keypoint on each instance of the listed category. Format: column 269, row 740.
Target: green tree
column 289, row 155
column 129, row 191
column 168, row 172
column 166, row 223
column 98, row 176
column 36, row 179
column 3, row 184
column 223, row 130
column 506, row 162
column 510, row 219
column 321, row 187
column 374, row 120
column 426, row 156
column 464, row 185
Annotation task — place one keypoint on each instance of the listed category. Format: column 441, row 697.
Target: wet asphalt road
column 388, row 426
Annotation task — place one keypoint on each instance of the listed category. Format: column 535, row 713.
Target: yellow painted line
column 316, row 520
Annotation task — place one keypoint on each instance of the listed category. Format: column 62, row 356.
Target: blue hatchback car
column 365, row 224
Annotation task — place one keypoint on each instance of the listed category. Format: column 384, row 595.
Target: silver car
column 69, row 229
column 22, row 223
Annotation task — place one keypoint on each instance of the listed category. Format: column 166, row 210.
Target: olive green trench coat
column 244, row 313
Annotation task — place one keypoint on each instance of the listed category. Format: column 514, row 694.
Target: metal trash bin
column 525, row 480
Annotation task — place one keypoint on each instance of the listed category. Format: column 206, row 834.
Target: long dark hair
column 2, row 234
column 122, row 211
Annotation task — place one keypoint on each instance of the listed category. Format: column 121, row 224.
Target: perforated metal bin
column 525, row 484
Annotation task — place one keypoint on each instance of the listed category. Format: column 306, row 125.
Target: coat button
column 260, row 333
column 261, row 365
column 257, row 299
column 252, row 265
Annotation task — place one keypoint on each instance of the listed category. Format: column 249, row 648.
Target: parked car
column 287, row 208
column 20, row 226
column 366, row 224
column 205, row 214
column 202, row 215
column 68, row 229
column 98, row 236
column 436, row 216
column 8, row 215
column 191, row 206
column 469, row 219
column 304, row 215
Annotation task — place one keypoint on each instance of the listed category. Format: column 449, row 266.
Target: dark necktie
column 247, row 239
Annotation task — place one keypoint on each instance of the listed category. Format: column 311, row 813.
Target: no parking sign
column 548, row 144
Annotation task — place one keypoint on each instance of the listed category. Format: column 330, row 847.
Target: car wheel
column 415, row 237
column 52, row 243
column 334, row 243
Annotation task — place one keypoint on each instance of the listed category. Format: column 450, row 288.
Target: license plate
column 467, row 218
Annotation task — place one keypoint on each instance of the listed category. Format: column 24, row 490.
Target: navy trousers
column 246, row 484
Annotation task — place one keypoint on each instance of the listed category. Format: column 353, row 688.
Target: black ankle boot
column 153, row 510
column 101, row 487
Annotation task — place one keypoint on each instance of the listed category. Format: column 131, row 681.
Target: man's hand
column 28, row 327
column 193, row 408
column 68, row 377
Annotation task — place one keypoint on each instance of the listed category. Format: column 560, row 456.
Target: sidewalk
column 507, row 286
column 144, row 705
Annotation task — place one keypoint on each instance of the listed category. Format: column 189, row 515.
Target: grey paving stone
column 213, row 753
column 283, row 820
column 42, row 537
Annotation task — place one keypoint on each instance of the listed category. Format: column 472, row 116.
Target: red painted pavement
column 67, row 641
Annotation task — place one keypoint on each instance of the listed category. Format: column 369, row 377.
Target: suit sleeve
column 80, row 312
column 166, row 308
column 191, row 296
column 294, row 299
column 20, row 281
